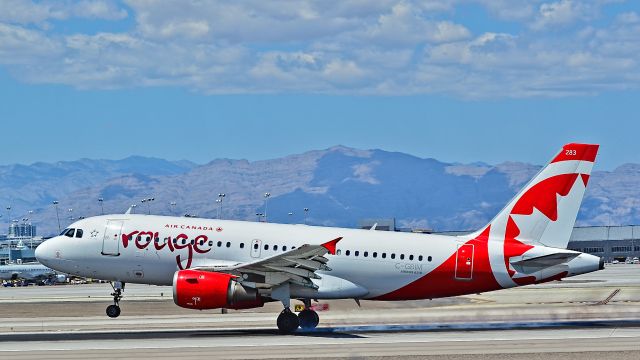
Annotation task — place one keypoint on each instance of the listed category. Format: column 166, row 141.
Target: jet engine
column 193, row 289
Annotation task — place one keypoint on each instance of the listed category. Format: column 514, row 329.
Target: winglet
column 331, row 245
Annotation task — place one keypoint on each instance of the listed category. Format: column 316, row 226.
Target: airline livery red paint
column 250, row 263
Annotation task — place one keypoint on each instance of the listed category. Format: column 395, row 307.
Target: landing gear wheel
column 309, row 319
column 287, row 321
column 113, row 311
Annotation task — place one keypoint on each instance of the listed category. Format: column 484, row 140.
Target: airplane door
column 464, row 262
column 111, row 240
column 256, row 248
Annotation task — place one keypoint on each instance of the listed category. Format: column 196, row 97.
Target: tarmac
column 592, row 316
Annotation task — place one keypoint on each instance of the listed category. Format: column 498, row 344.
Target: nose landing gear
column 113, row 311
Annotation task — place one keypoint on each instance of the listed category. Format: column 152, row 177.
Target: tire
column 287, row 322
column 309, row 319
column 113, row 311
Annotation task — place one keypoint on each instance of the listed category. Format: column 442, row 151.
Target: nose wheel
column 113, row 311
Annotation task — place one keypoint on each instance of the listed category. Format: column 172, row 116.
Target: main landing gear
column 113, row 311
column 289, row 322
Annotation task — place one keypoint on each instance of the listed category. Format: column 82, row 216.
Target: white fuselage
column 368, row 264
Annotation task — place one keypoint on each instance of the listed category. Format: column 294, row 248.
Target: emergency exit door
column 464, row 262
column 111, row 239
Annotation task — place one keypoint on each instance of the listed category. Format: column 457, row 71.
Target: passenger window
column 348, row 252
column 375, row 254
column 420, row 258
column 384, row 255
column 275, row 247
column 284, row 248
column 138, row 238
column 401, row 256
column 339, row 252
column 228, row 244
column 393, row 256
column 210, row 243
column 70, row 232
column 79, row 233
column 255, row 246
column 157, row 240
column 356, row 253
column 193, row 242
column 410, row 257
column 241, row 245
column 219, row 243
column 293, row 247
column 266, row 247
column 366, row 253
column 429, row 258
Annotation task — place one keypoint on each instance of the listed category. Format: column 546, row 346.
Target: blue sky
column 457, row 80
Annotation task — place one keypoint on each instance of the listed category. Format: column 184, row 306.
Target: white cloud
column 25, row 48
column 558, row 13
column 390, row 47
column 30, row 12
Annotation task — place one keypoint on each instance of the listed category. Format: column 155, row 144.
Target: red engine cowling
column 193, row 289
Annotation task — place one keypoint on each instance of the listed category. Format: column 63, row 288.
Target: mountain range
column 339, row 186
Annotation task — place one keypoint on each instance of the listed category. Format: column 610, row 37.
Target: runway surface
column 584, row 343
column 594, row 316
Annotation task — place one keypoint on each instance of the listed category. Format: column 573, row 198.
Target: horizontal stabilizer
column 529, row 266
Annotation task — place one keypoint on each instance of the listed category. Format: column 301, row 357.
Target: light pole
column 266, row 199
column 259, row 215
column 220, row 199
column 173, row 207
column 306, row 213
column 55, row 203
column 101, row 201
column 9, row 214
column 31, row 234
column 133, row 208
column 71, row 214
column 148, row 201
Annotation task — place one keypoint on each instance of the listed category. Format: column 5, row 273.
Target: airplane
column 30, row 271
column 213, row 263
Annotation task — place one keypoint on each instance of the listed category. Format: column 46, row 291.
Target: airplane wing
column 297, row 266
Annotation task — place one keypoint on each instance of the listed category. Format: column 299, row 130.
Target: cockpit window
column 69, row 233
column 79, row 233
column 63, row 232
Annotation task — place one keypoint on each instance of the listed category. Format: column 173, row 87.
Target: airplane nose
column 44, row 252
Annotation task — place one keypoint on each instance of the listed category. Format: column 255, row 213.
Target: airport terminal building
column 608, row 242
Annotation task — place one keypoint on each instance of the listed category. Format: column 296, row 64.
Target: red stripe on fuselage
column 441, row 282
